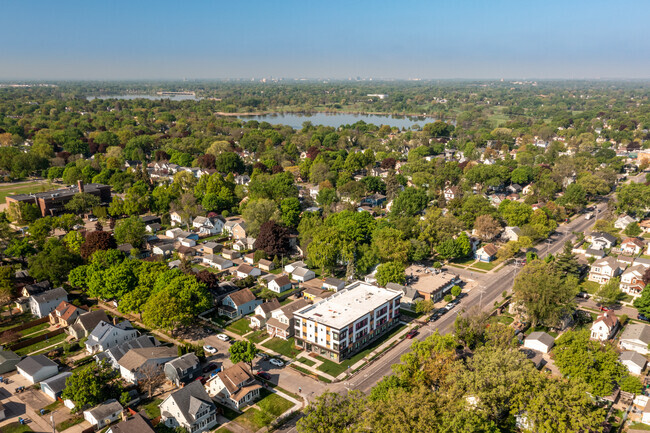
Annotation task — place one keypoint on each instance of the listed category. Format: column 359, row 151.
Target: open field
column 24, row 188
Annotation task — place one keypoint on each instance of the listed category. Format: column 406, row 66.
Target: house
column 136, row 362
column 191, row 408
column 54, row 386
column 632, row 246
column 163, row 249
column 65, row 314
column 486, row 253
column 183, row 369
column 433, row 287
column 229, row 254
column 235, row 386
column 280, row 284
column 235, row 227
column 187, row 242
column 625, row 261
column 211, row 248
column 176, row 219
column 315, row 294
column 239, row 245
column 114, row 354
column 515, row 188
column 333, row 284
column 249, row 258
column 35, row 289
column 105, row 335
column 151, row 219
column 8, row 361
column 632, row 280
column 266, row 265
column 598, row 254
column 242, row 179
column 208, row 226
column 237, row 304
column 409, row 295
column 245, row 270
column 623, row 221
column 153, row 228
column 281, row 323
column 217, row 262
column 85, row 323
column 346, row 322
column 645, row 226
column 263, row 313
column 511, row 233
column 291, row 266
column 604, row 327
column 186, row 252
column 136, row 424
column 43, row 304
column 303, row 274
column 451, row 192
column 539, row 341
column 37, row 368
column 602, row 240
column 374, row 200
column 635, row 337
column 104, row 414
column 635, row 362
column 603, row 270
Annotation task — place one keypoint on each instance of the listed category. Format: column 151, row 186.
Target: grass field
column 254, row 419
column 239, row 327
column 41, row 345
column 484, row 266
column 64, row 425
column 223, row 430
column 306, row 361
column 284, row 347
column 258, row 336
column 151, row 408
column 23, row 188
column 273, row 403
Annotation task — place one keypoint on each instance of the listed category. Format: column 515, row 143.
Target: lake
column 337, row 119
column 152, row 97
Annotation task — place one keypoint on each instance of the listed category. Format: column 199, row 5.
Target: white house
column 635, row 362
column 44, row 303
column 262, row 313
column 632, row 246
column 104, row 414
column 191, row 408
column 37, row 368
column 239, row 303
column 540, row 342
column 603, row 270
column 281, row 323
column 635, row 337
column 486, row 253
column 176, row 219
column 511, row 233
column 106, row 335
column 602, row 240
column 632, row 280
column 333, row 284
column 280, row 284
column 208, row 226
column 604, row 327
column 623, row 221
column 217, row 262
column 245, row 270
column 291, row 266
column 235, row 386
column 303, row 274
column 136, row 361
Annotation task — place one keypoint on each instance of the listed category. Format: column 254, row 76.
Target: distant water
column 152, row 97
column 338, row 119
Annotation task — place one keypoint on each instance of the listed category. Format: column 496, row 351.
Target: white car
column 276, row 362
column 209, row 349
column 223, row 337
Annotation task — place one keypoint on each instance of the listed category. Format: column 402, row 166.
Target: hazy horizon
column 337, row 40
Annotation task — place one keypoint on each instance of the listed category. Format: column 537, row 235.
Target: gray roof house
column 8, row 361
column 636, row 337
column 86, row 322
column 114, row 354
column 54, row 386
column 333, row 284
column 183, row 369
column 136, row 424
column 106, row 335
column 37, row 368
column 635, row 362
column 409, row 297
column 43, row 304
column 190, row 407
column 134, row 363
column 104, row 414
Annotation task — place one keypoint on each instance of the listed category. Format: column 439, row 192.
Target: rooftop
column 347, row 305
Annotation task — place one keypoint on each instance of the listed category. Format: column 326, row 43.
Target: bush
column 448, row 298
column 455, row 291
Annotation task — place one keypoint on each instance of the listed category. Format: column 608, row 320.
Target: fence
column 37, row 339
column 28, row 325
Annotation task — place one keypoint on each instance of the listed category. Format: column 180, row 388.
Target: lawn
column 223, row 430
column 16, row 320
column 53, row 406
column 239, row 327
column 485, row 266
column 284, row 347
column 273, row 403
column 504, row 319
column 228, row 412
column 334, row 369
column 254, row 419
column 410, row 313
column 463, row 261
column 590, row 287
column 151, row 408
column 42, row 345
column 64, row 425
column 23, row 188
column 306, row 361
column 258, row 336
column 34, row 329
column 16, row 427
column 640, row 426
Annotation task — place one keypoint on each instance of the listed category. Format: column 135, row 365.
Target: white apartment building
column 344, row 323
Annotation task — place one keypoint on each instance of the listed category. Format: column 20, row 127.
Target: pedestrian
column 299, row 389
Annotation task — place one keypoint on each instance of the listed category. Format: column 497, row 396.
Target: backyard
column 239, row 327
column 284, row 347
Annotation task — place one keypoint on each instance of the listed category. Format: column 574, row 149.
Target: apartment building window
column 335, row 336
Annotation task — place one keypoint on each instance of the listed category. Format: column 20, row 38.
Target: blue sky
column 142, row 39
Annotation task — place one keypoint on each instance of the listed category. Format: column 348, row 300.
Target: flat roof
column 57, row 193
column 347, row 305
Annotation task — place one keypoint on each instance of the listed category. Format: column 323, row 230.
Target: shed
column 37, row 368
column 539, row 341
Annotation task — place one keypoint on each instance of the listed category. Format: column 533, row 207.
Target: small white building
column 303, row 274
column 280, row 284
column 291, row 266
column 635, row 362
column 104, row 414
column 636, row 337
column 37, row 368
column 540, row 342
column 604, row 327
column 44, row 303
column 54, row 386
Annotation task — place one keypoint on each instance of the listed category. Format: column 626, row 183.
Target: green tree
column 633, row 229
column 257, row 212
column 243, row 351
column 390, row 245
column 82, row 203
column 631, row 384
column 410, row 202
column 390, row 272
column 609, row 293
column 448, row 249
column 290, row 208
column 130, row 230
column 333, row 413
column 53, row 263
column 91, row 385
column 566, row 263
column 515, row 213
column 74, row 240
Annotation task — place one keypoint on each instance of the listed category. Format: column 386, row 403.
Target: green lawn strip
column 34, row 329
column 151, row 408
column 16, row 427
column 254, row 419
column 64, row 425
column 239, row 327
column 273, row 403
column 284, row 347
column 42, row 344
column 258, row 336
column 640, row 426
column 16, row 320
column 410, row 313
column 286, row 301
column 503, row 319
column 53, row 406
column 484, row 266
column 334, row 369
column 223, row 430
column 462, row 261
column 306, row 361
column 590, row 287
column 300, row 369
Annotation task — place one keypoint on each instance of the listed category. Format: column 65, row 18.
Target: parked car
column 209, row 349
column 264, row 375
column 584, row 295
column 262, row 355
column 223, row 337
column 412, row 333
column 92, row 218
column 277, row 362
column 642, row 317
column 603, row 308
column 209, row 367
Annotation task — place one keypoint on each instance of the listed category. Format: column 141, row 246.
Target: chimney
column 115, row 320
column 80, row 185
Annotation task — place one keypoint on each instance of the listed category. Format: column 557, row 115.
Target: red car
column 603, row 308
column 412, row 333
column 264, row 375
